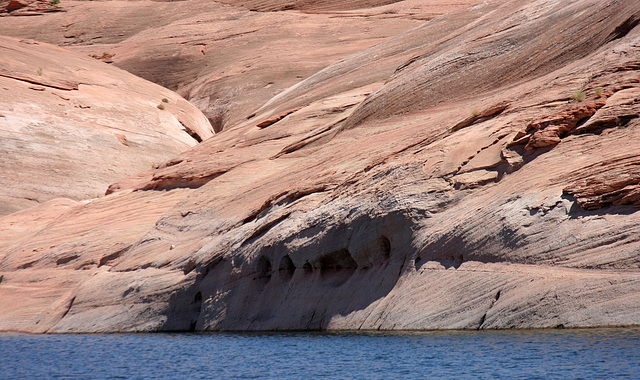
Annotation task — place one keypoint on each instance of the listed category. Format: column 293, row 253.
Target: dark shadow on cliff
column 184, row 307
column 576, row 211
column 348, row 267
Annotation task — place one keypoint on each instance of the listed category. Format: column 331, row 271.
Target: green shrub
column 160, row 106
column 579, row 96
column 165, row 100
column 598, row 91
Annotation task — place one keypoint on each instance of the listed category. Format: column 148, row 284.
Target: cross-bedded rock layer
column 222, row 57
column 70, row 125
column 479, row 171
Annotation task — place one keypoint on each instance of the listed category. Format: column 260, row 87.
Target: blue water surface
column 534, row 354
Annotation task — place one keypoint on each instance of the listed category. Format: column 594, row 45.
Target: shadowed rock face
column 480, row 175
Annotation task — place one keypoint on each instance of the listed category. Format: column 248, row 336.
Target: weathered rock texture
column 225, row 59
column 479, row 171
column 71, row 125
column 27, row 7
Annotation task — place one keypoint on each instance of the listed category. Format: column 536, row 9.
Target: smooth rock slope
column 479, row 171
column 227, row 58
column 71, row 125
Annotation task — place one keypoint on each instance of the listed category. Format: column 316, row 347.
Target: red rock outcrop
column 390, row 190
column 70, row 125
column 307, row 5
column 28, row 7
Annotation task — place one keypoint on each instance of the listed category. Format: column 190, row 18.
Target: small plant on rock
column 40, row 71
column 475, row 112
column 598, row 91
column 165, row 100
column 54, row 2
column 579, row 96
column 160, row 106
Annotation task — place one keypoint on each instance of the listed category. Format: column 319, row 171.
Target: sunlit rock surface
column 71, row 125
column 228, row 57
column 478, row 171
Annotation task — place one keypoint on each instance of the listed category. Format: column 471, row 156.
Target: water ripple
column 541, row 354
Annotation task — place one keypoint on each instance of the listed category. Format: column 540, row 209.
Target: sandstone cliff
column 223, row 57
column 70, row 125
column 479, row 171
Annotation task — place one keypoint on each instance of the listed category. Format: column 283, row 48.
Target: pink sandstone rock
column 225, row 59
column 71, row 125
column 396, row 195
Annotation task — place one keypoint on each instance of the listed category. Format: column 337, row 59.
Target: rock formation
column 479, row 171
column 28, row 7
column 70, row 125
column 225, row 59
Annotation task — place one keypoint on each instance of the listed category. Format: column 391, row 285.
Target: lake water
column 542, row 354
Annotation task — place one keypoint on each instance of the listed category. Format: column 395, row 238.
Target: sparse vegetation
column 579, row 96
column 54, row 2
column 598, row 91
column 40, row 71
column 621, row 122
column 475, row 112
column 105, row 55
column 160, row 106
column 165, row 100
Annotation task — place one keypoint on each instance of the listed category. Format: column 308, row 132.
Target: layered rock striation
column 222, row 56
column 71, row 125
column 477, row 172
